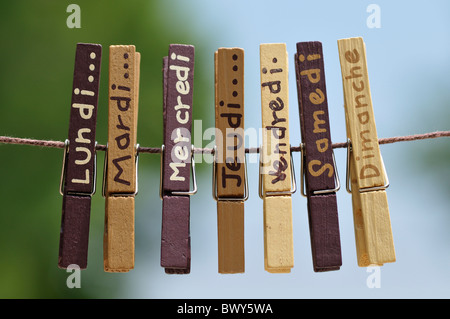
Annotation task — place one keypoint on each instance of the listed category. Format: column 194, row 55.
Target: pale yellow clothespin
column 366, row 175
column 277, row 180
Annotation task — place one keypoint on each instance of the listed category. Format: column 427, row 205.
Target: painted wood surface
column 178, row 86
column 118, row 240
column 318, row 161
column 275, row 158
column 83, row 119
column 121, row 180
column 373, row 231
column 74, row 236
column 229, row 120
column 230, row 158
column 275, row 117
column 122, row 119
column 80, row 156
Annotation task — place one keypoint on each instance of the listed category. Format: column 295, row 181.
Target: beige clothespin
column 366, row 176
column 277, row 179
column 121, row 159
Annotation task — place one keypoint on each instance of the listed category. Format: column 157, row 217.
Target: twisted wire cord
column 157, row 150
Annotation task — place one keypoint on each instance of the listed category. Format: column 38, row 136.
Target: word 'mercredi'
column 181, row 140
column 178, row 117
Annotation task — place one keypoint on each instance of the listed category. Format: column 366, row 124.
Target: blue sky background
column 408, row 62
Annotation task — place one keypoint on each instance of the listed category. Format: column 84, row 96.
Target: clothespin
column 177, row 159
column 366, row 175
column 78, row 176
column 120, row 181
column 230, row 188
column 320, row 180
column 276, row 176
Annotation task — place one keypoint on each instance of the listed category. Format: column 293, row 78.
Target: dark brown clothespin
column 320, row 180
column 78, row 176
column 177, row 159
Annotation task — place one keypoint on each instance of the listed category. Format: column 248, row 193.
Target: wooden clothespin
column 177, row 159
column 320, row 180
column 366, row 176
column 78, row 175
column 120, row 184
column 277, row 178
column 230, row 188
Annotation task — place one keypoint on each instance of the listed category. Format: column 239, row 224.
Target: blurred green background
column 38, row 59
column 409, row 63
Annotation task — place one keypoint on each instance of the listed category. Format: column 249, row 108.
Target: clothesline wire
column 157, row 150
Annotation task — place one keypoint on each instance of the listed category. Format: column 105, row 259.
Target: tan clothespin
column 230, row 188
column 277, row 178
column 366, row 175
column 120, row 176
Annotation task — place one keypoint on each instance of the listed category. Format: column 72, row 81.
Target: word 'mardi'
column 122, row 140
column 122, row 118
